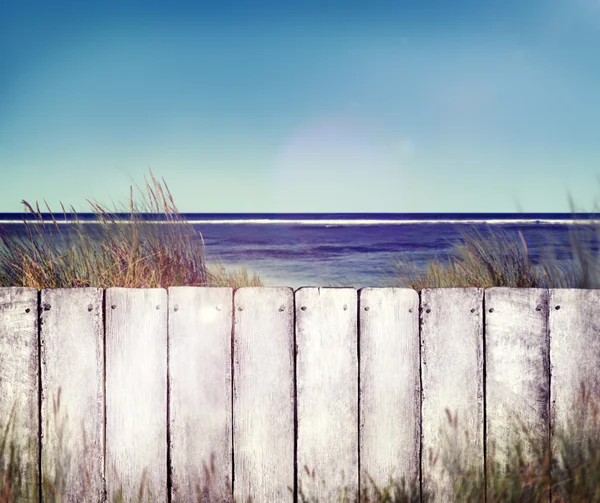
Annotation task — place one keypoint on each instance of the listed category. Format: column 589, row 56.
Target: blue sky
column 324, row 106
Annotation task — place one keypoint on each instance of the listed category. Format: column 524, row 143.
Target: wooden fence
column 211, row 389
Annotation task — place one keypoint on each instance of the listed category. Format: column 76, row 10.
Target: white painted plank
column 72, row 356
column 19, row 374
column 200, row 328
column 575, row 361
column 390, row 389
column 263, row 394
column 327, row 393
column 517, row 373
column 452, row 382
column 136, row 393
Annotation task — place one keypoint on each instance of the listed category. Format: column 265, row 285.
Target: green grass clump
column 114, row 253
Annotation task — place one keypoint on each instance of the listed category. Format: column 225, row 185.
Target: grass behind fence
column 503, row 259
column 128, row 252
column 140, row 254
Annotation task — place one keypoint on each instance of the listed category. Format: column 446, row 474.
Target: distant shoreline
column 327, row 223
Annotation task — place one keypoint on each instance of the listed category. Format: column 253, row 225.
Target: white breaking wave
column 326, row 223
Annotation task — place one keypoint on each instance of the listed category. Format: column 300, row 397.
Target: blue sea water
column 355, row 249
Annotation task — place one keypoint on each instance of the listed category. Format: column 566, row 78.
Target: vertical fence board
column 263, row 394
column 200, row 324
column 452, row 381
column 72, row 356
column 136, row 393
column 517, row 374
column 390, row 393
column 327, row 393
column 575, row 357
column 19, row 374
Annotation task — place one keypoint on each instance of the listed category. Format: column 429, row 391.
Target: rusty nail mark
column 303, row 308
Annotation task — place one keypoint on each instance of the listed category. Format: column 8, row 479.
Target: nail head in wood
column 27, row 310
column 240, row 308
column 281, row 308
column 219, row 307
column 176, row 308
column 90, row 307
column 367, row 308
column 427, row 310
column 557, row 308
column 491, row 310
column 114, row 306
column 538, row 308
column 303, row 308
column 473, row 310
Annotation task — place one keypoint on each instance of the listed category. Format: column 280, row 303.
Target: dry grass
column 128, row 252
column 503, row 259
column 569, row 470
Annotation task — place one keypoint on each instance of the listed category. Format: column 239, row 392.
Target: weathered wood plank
column 19, row 388
column 452, row 382
column 136, row 393
column 390, row 389
column 517, row 375
column 575, row 368
column 263, row 394
column 327, row 393
column 72, row 356
column 200, row 330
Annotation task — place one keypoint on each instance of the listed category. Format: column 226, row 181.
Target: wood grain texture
column 390, row 389
column 263, row 394
column 19, row 388
column 327, row 390
column 136, row 393
column 452, row 382
column 72, row 356
column 517, row 373
column 575, row 366
column 200, row 328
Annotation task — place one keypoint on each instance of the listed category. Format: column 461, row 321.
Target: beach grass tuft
column 502, row 259
column 119, row 251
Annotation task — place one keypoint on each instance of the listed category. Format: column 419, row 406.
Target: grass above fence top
column 144, row 255
column 138, row 255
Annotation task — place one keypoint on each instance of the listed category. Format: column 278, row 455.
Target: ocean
column 352, row 249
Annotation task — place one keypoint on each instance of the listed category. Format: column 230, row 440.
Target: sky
column 314, row 106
